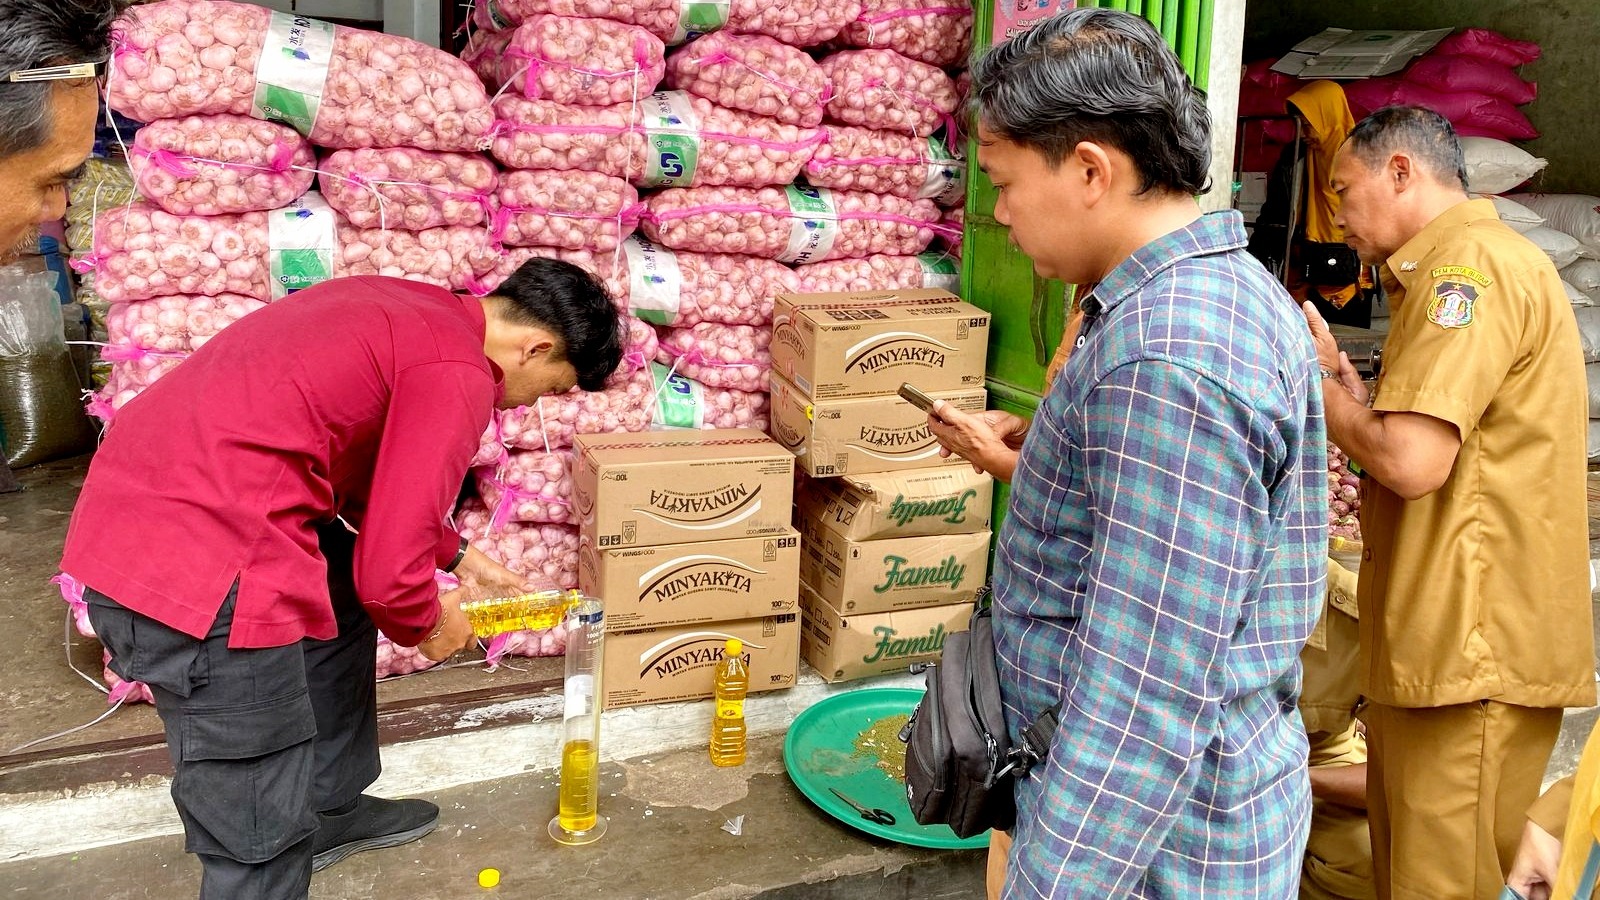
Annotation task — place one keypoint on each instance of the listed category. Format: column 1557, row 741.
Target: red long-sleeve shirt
column 362, row 398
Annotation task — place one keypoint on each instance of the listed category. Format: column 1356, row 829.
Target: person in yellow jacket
column 1320, row 267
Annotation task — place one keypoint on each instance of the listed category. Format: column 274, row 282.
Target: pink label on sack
column 1012, row 17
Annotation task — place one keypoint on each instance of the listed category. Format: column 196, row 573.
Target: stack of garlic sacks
column 752, row 161
column 228, row 222
column 724, row 157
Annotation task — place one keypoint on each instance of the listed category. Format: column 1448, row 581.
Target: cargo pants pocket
column 243, row 777
column 145, row 650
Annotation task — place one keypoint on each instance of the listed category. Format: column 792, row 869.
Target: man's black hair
column 1104, row 76
column 573, row 305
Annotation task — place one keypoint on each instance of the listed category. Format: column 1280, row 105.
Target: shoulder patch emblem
column 1461, row 272
column 1451, row 306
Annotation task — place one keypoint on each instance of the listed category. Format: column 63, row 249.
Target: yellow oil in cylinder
column 524, row 612
column 580, row 786
column 727, row 726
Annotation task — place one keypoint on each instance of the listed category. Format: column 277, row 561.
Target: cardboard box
column 843, row 648
column 1339, row 53
column 675, row 487
column 913, row 503
column 900, row 573
column 867, row 434
column 835, row 346
column 686, row 584
column 661, row 664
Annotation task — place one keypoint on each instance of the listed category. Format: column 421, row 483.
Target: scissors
column 882, row 817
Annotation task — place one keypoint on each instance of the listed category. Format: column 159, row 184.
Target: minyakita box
column 864, row 434
column 655, row 665
column 674, row 487
column 843, row 648
column 834, row 346
column 913, row 503
column 686, row 584
column 899, row 573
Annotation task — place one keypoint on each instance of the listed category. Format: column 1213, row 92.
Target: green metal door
column 1030, row 312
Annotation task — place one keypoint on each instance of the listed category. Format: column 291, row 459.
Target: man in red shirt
column 252, row 519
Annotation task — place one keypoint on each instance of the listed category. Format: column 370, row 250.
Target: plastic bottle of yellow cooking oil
column 727, row 727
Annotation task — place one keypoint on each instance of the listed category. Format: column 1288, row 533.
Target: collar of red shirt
column 473, row 308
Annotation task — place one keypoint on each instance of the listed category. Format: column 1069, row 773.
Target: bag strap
column 1034, row 746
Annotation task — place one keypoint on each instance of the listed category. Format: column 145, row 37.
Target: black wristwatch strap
column 460, row 555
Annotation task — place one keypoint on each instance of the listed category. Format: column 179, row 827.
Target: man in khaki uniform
column 1474, row 594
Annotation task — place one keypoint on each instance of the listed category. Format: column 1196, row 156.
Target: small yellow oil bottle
column 727, row 727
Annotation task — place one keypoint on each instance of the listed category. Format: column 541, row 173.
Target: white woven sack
column 1494, row 166
column 1589, row 332
column 1514, row 214
column 1583, row 275
column 1575, row 214
column 1562, row 248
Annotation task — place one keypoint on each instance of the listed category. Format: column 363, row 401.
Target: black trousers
column 261, row 740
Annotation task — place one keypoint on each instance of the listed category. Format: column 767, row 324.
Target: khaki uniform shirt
column 1480, row 590
column 1330, row 686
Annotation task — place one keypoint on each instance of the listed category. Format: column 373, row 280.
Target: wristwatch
column 460, row 555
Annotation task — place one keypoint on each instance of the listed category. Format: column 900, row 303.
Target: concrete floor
column 665, row 840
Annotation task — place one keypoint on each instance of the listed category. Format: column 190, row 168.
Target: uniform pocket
column 244, row 777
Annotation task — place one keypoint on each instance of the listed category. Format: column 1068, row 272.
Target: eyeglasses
column 58, row 73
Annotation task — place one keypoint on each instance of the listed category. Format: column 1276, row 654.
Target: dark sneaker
column 372, row 825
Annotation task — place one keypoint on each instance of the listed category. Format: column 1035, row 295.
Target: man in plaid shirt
column 1163, row 559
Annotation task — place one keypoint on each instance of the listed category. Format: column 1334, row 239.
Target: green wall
column 1568, row 109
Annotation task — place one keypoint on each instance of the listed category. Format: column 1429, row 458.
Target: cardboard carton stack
column 686, row 536
column 895, row 539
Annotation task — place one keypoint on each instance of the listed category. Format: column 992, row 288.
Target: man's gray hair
column 1420, row 133
column 37, row 33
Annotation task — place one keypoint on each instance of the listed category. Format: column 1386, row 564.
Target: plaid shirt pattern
column 1160, row 567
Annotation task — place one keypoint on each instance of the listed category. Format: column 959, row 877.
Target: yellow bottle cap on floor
column 488, row 878
column 734, row 647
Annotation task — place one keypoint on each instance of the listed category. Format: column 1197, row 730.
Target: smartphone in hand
column 917, row 398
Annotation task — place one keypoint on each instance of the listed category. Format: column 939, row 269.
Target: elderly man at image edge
column 48, row 103
column 1162, row 561
column 1474, row 594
